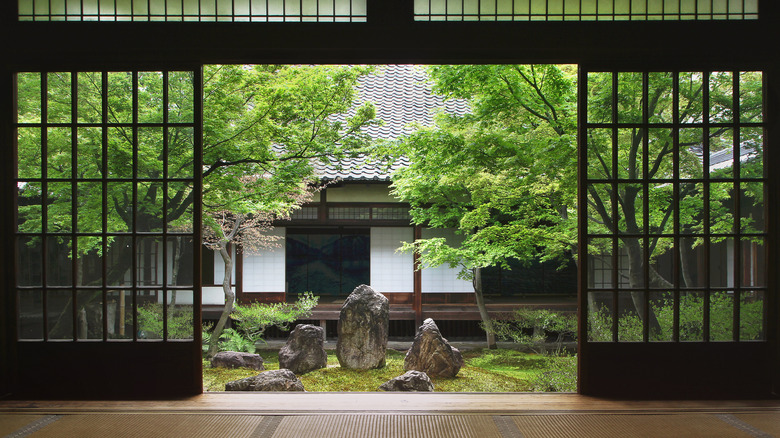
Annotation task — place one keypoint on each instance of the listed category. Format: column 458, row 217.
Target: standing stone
column 432, row 354
column 411, row 381
column 364, row 322
column 304, row 350
column 234, row 359
column 276, row 380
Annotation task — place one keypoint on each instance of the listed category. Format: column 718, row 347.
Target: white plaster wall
column 443, row 278
column 391, row 271
column 211, row 295
column 360, row 193
column 265, row 272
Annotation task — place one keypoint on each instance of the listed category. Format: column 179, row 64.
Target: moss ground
column 484, row 371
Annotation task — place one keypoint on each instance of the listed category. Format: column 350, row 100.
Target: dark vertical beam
column 197, row 229
column 646, row 253
column 104, row 223
column 322, row 208
column 705, row 159
column 582, row 230
column 614, row 200
column 164, row 187
column 676, row 231
column 736, row 190
column 8, row 299
column 44, row 200
column 9, row 12
column 417, row 293
column 772, row 204
column 74, row 243
column 134, row 277
column 239, row 280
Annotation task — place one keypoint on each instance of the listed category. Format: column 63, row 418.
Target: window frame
column 390, row 35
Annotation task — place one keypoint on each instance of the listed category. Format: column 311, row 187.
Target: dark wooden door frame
column 106, row 368
column 390, row 36
column 681, row 369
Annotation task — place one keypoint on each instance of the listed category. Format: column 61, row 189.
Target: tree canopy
column 264, row 127
column 504, row 175
column 501, row 174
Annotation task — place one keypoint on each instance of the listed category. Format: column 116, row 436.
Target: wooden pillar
column 324, row 325
column 322, row 209
column 239, row 280
column 772, row 206
column 417, row 302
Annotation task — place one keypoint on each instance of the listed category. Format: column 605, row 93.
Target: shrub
column 150, row 321
column 232, row 340
column 560, row 376
column 252, row 320
column 530, row 327
column 691, row 314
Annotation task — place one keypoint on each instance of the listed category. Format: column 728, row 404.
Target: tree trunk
column 83, row 325
column 636, row 281
column 686, row 244
column 483, row 313
column 230, row 298
column 176, row 253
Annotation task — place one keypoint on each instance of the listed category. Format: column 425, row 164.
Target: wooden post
column 239, row 261
column 322, row 209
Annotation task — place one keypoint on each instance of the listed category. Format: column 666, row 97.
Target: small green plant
column 232, row 340
column 560, row 375
column 252, row 320
column 630, row 327
column 600, row 325
column 691, row 319
column 150, row 321
column 532, row 327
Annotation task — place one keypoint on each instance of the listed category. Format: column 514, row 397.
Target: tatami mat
column 709, row 425
column 11, row 423
column 381, row 426
column 767, row 422
column 150, row 425
column 586, row 426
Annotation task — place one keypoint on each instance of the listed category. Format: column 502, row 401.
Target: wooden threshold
column 381, row 403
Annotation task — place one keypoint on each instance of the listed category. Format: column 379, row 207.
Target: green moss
column 335, row 379
column 483, row 371
column 510, row 363
column 214, row 379
column 473, row 379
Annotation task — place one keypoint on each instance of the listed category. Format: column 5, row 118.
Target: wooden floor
column 396, row 415
column 380, row 403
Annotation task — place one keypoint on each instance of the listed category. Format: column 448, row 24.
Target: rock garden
column 361, row 361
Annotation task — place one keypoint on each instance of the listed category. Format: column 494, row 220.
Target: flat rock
column 432, row 354
column 275, row 380
column 412, row 381
column 363, row 325
column 235, row 359
column 304, row 350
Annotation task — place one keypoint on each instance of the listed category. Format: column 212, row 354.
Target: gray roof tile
column 402, row 97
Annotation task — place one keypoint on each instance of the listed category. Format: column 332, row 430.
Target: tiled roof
column 402, row 97
column 359, row 169
column 724, row 159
